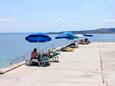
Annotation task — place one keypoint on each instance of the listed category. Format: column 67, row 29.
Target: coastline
column 81, row 67
column 11, row 67
column 14, row 66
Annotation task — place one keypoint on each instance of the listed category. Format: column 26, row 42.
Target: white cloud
column 58, row 20
column 109, row 1
column 108, row 20
column 10, row 19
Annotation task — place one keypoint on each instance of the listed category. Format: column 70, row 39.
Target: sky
column 55, row 15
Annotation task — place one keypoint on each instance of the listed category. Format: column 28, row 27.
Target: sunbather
column 81, row 41
column 75, row 44
column 35, row 54
column 37, row 59
column 86, row 41
column 53, row 55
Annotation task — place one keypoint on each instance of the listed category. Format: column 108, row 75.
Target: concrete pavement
column 79, row 68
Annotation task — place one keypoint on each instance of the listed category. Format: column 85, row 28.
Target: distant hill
column 96, row 31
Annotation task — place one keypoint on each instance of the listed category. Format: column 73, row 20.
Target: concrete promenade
column 83, row 67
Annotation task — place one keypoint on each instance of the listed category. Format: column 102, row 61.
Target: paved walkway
column 79, row 68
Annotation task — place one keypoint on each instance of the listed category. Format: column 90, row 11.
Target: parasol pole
column 38, row 45
column 52, row 45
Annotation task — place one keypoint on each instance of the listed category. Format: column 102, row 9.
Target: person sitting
column 81, row 41
column 86, row 41
column 76, row 44
column 37, row 59
column 34, row 54
column 49, row 53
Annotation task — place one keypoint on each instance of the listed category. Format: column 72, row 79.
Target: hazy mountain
column 96, row 31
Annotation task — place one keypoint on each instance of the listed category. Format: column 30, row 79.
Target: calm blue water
column 14, row 45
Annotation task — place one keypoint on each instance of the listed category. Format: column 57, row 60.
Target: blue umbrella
column 62, row 36
column 80, row 36
column 88, row 35
column 67, row 35
column 38, row 38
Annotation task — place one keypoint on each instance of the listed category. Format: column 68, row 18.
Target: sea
column 14, row 45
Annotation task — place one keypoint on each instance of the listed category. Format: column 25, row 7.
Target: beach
column 88, row 65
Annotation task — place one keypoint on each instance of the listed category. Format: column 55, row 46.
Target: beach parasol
column 38, row 38
column 88, row 35
column 66, row 35
column 80, row 36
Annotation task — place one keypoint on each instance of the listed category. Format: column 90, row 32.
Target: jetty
column 88, row 65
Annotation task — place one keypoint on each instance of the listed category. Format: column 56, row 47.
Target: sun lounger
column 67, row 49
column 44, row 61
column 54, row 57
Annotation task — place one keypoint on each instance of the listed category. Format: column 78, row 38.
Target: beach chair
column 44, row 61
column 54, row 57
column 32, row 62
column 67, row 49
column 75, row 44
